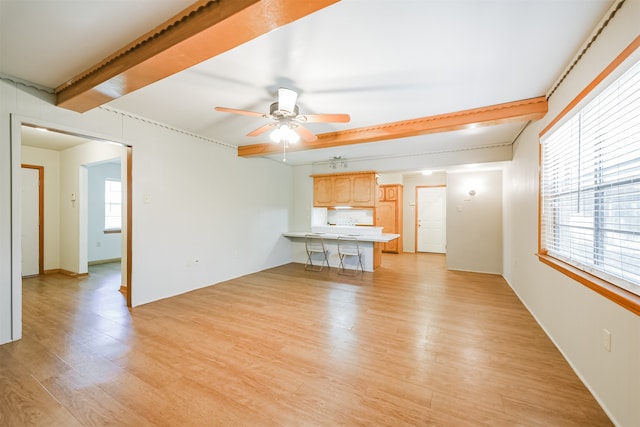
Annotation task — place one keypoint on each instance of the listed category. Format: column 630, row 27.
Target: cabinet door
column 322, row 191
column 391, row 246
column 391, row 193
column 363, row 190
column 386, row 217
column 342, row 190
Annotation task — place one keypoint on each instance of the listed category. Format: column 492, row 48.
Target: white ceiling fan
column 286, row 120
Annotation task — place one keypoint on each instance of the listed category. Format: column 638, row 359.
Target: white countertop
column 359, row 230
column 383, row 237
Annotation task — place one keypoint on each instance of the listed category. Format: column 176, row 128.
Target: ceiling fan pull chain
column 284, row 150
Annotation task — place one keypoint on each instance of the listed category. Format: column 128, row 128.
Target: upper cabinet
column 388, row 193
column 322, row 191
column 355, row 189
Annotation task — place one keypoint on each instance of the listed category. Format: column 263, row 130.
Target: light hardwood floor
column 411, row 344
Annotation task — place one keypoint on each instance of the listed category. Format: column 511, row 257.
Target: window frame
column 618, row 295
column 113, row 230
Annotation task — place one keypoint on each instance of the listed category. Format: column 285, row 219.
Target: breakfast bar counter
column 380, row 238
column 369, row 239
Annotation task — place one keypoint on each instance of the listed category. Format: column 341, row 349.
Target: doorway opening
column 65, row 204
column 101, row 218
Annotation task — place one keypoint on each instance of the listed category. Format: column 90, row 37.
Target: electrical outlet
column 606, row 340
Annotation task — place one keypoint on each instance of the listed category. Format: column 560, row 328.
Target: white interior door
column 30, row 222
column 431, row 217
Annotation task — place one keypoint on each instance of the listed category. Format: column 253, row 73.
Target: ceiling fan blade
column 287, row 99
column 262, row 129
column 244, row 112
column 324, row 118
column 305, row 134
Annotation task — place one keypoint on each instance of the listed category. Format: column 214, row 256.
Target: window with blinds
column 590, row 186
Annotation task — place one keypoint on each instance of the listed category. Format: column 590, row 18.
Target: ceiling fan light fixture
column 287, row 125
column 284, row 133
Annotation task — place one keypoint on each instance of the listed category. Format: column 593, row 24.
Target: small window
column 590, row 187
column 112, row 206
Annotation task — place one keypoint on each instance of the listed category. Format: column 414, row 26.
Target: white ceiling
column 378, row 60
column 42, row 138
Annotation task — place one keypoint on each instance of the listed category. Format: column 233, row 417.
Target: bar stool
column 348, row 247
column 314, row 244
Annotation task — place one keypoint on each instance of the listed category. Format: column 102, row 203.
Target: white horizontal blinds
column 591, row 185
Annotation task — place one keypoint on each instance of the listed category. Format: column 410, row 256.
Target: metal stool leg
column 315, row 245
column 349, row 247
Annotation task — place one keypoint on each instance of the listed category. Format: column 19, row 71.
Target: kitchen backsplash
column 350, row 216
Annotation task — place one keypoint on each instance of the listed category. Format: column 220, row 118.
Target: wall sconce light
column 472, row 192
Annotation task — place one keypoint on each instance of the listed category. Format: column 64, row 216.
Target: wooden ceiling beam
column 203, row 30
column 524, row 110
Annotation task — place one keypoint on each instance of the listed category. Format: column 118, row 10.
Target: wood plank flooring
column 411, row 344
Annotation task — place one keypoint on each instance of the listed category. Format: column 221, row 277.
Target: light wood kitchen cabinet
column 388, row 193
column 322, row 191
column 389, row 215
column 355, row 189
column 342, row 190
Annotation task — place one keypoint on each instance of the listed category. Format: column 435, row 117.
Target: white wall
column 50, row 160
column 211, row 215
column 101, row 246
column 474, row 223
column 7, row 263
column 301, row 218
column 73, row 225
column 206, row 204
column 571, row 314
column 303, row 197
column 390, row 178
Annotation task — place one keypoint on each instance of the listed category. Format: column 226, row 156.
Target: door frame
column 16, row 123
column 418, row 187
column 40, row 170
column 129, row 219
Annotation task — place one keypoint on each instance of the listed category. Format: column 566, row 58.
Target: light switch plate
column 606, row 339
